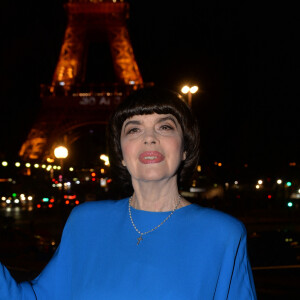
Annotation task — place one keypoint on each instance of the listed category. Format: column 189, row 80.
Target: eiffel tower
column 70, row 103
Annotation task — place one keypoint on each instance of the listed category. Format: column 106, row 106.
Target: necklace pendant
column 139, row 240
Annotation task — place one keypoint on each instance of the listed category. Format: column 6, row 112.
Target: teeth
column 150, row 157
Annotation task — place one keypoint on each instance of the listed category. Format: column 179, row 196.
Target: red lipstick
column 151, row 157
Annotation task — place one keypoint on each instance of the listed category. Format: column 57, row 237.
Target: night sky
column 243, row 55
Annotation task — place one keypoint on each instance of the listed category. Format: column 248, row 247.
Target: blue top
column 199, row 253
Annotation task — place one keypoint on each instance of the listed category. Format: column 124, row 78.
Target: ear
column 184, row 155
column 123, row 163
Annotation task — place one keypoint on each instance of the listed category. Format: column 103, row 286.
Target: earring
column 123, row 163
column 184, row 155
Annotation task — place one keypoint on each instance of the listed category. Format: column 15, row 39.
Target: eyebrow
column 170, row 118
column 137, row 122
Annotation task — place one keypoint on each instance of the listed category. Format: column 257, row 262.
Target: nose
column 150, row 137
column 146, row 142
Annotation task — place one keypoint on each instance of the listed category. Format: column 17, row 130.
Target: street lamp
column 61, row 153
column 189, row 90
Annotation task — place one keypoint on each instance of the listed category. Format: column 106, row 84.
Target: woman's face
column 152, row 146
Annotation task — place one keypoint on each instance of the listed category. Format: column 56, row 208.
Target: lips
column 151, row 157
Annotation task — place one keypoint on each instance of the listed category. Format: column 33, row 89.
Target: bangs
column 145, row 103
column 148, row 110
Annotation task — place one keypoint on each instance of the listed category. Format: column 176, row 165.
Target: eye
column 133, row 130
column 166, row 127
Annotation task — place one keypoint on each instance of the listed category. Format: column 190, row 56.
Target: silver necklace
column 140, row 238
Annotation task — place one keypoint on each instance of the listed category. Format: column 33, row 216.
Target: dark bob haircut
column 147, row 101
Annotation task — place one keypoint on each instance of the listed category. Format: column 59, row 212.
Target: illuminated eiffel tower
column 70, row 103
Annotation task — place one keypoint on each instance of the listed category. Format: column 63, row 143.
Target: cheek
column 126, row 150
column 176, row 148
column 123, row 150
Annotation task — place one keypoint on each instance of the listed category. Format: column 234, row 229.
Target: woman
column 155, row 244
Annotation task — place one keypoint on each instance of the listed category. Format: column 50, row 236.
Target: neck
column 155, row 196
column 155, row 206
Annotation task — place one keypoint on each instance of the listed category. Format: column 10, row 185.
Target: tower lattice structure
column 69, row 103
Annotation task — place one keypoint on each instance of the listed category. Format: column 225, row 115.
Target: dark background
column 245, row 58
column 243, row 55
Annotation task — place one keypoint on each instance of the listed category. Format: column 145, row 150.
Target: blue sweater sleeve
column 235, row 278
column 242, row 284
column 10, row 289
column 53, row 281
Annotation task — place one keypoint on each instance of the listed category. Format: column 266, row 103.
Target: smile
column 151, row 157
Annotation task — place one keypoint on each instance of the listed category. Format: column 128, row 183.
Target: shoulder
column 217, row 222
column 99, row 205
column 96, row 210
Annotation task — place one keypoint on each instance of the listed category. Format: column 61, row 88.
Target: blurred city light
column 194, row 89
column 185, row 89
column 105, row 158
column 4, row 163
column 50, row 160
column 279, row 181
